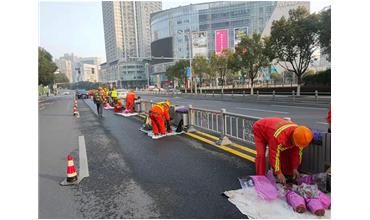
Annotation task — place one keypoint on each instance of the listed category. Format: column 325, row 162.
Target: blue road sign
column 188, row 72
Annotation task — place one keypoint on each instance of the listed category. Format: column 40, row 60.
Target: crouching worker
column 118, row 107
column 286, row 141
column 159, row 115
column 130, row 101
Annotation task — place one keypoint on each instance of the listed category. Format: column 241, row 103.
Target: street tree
column 46, row 67
column 325, row 31
column 200, row 68
column 252, row 54
column 221, row 65
column 61, row 78
column 294, row 40
column 177, row 71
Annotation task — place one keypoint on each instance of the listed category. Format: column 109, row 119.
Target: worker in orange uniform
column 118, row 107
column 159, row 114
column 286, row 141
column 130, row 101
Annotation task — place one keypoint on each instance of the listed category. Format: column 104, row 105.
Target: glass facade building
column 229, row 17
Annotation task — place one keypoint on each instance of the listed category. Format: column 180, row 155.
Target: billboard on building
column 222, row 40
column 239, row 33
column 162, row 48
column 199, row 43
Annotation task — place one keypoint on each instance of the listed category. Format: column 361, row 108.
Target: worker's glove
column 281, row 178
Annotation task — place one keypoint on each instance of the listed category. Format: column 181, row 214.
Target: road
column 131, row 176
column 313, row 117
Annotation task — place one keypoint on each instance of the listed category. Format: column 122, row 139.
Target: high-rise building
column 65, row 67
column 127, row 37
column 79, row 68
column 207, row 28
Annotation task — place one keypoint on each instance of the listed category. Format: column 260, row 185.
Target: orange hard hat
column 100, row 88
column 168, row 103
column 302, row 136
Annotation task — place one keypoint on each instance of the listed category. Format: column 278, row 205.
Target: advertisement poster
column 199, row 43
column 238, row 34
column 222, row 40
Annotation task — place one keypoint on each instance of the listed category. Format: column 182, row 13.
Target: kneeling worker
column 118, row 107
column 130, row 101
column 286, row 141
column 158, row 113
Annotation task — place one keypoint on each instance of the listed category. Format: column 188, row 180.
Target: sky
column 77, row 27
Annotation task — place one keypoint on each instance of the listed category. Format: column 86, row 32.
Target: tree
column 200, row 68
column 46, row 67
column 294, row 40
column 61, row 78
column 252, row 54
column 325, row 32
column 177, row 71
column 221, row 64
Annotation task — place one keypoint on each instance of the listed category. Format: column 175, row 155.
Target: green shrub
column 320, row 78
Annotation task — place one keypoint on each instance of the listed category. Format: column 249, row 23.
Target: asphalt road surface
column 313, row 117
column 131, row 175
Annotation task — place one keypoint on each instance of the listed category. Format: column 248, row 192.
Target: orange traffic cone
column 72, row 177
column 75, row 110
column 71, row 170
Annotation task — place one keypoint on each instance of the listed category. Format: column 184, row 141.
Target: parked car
column 66, row 93
column 81, row 94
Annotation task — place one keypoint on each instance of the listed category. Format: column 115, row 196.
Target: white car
column 121, row 93
column 65, row 93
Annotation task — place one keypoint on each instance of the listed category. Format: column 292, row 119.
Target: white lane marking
column 84, row 167
column 320, row 122
column 262, row 110
column 287, row 106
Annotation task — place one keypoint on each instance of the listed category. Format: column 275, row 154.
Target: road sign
column 187, row 72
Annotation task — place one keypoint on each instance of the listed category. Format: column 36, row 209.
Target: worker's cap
column 302, row 136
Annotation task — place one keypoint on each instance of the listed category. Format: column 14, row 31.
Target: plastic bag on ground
column 296, row 201
column 325, row 200
column 305, row 179
column 270, row 176
column 316, row 207
column 264, row 188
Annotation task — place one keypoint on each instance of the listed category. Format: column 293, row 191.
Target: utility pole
column 190, row 58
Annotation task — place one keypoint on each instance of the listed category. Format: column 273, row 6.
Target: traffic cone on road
column 71, row 170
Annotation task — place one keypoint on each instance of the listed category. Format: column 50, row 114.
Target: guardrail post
column 213, row 93
column 293, row 94
column 140, row 106
column 316, row 95
column 232, row 93
column 243, row 93
column 258, row 93
column 224, row 140
column 190, row 119
column 273, row 95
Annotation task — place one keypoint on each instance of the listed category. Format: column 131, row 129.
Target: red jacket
column 283, row 155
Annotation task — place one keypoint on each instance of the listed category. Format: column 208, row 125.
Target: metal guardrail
column 224, row 123
column 239, row 127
